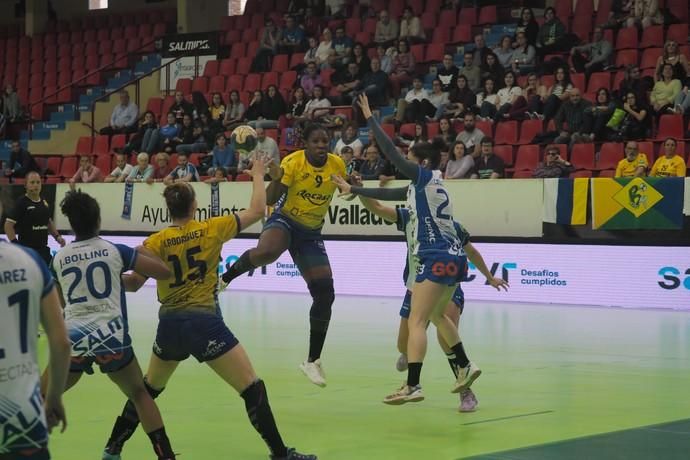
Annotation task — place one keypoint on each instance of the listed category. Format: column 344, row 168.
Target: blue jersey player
column 27, row 296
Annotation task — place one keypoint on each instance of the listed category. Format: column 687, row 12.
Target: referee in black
column 29, row 222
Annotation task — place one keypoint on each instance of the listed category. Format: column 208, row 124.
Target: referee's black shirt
column 31, row 224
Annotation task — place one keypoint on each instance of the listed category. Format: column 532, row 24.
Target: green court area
column 559, row 382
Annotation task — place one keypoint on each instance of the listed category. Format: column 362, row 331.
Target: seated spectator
column 480, row 50
column 190, row 139
column 438, row 98
column 312, row 20
column 635, row 83
column 534, row 93
column 528, row 26
column 335, row 8
column 595, row 125
column 386, row 30
column 448, row 73
column 310, row 79
column 200, row 104
column 347, row 155
column 572, row 113
column 488, row 165
column 671, row 164
column 385, row 59
column 342, row 44
column 217, row 109
column 349, row 139
column 420, row 135
column 146, row 137
column 558, row 93
column 682, row 102
column 673, row 56
column 510, row 102
column 332, row 62
column 168, row 133
column 461, row 99
column 445, row 156
column 645, row 13
column 273, row 107
column 416, row 103
column 311, row 55
column 87, row 172
column 267, row 146
column 219, row 175
column 460, row 163
column 472, row 72
column 184, row 172
column 403, row 68
column 234, row 113
column 487, row 100
column 142, row 171
column 325, row 47
column 665, row 92
column 410, row 27
column 224, row 157
column 11, row 105
column 292, row 37
column 208, row 130
column 313, row 109
column 181, row 107
column 371, row 168
column 446, row 131
column 504, row 52
column 297, row 106
column 255, row 110
column 359, row 57
column 491, row 68
column 268, row 45
column 524, row 59
column 470, row 136
column 162, row 169
column 637, row 122
column 552, row 34
column 21, row 162
column 345, row 84
column 375, row 84
column 553, row 165
column 124, row 117
column 634, row 164
column 592, row 57
column 120, row 172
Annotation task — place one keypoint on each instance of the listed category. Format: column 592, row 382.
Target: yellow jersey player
column 302, row 191
column 671, row 164
column 190, row 319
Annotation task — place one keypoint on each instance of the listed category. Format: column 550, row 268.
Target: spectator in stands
column 446, row 131
column 637, row 122
column 552, row 34
column 332, row 62
column 311, row 55
column 385, row 59
column 634, row 164
column 371, row 168
column 124, row 117
column 410, row 27
column 292, row 37
column 524, row 57
column 645, row 13
column 491, row 68
column 472, row 72
column 504, row 52
column 461, row 99
column 342, row 44
column 314, row 108
column 11, row 105
column 673, row 56
column 595, row 125
column 200, row 104
column 359, row 56
column 670, row 164
column 146, row 137
column 488, row 165
column 470, row 136
column 487, row 100
column 386, row 30
column 234, row 112
column 181, row 107
column 219, row 175
column 411, row 108
column 297, row 105
column 510, row 100
column 349, row 139
column 267, row 146
column 438, row 98
column 162, row 169
column 619, row 14
column 208, row 129
column 592, row 57
column 345, row 83
column 336, row 8
column 635, row 83
column 375, row 84
column 553, row 165
column 571, row 112
column 310, row 79
column 480, row 50
column 121, row 170
column 273, row 107
column 527, row 25
column 255, row 110
column 559, row 92
column 682, row 102
column 443, row 164
column 217, row 109
column 325, row 48
column 460, row 163
column 87, row 172
column 191, row 138
column 21, row 162
column 168, row 133
column 268, row 45
column 347, row 155
column 533, row 92
column 448, row 73
column 665, row 91
column 224, row 157
column 403, row 68
column 142, row 171
column 312, row 20
column 420, row 135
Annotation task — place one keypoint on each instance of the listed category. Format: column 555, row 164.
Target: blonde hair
column 142, row 155
column 163, row 155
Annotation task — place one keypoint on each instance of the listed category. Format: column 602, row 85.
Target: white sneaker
column 466, row 376
column 404, row 395
column 314, row 372
column 401, row 363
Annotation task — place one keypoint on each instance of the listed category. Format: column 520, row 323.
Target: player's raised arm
column 384, row 194
column 408, row 168
column 257, row 204
column 58, row 366
column 474, row 256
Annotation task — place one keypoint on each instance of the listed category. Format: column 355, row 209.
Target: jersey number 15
column 191, row 264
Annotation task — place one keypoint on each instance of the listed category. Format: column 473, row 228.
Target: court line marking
column 498, row 419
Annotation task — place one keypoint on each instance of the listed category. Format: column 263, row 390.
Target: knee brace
column 323, row 294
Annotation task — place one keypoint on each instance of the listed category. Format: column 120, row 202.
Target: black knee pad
column 322, row 292
column 254, row 394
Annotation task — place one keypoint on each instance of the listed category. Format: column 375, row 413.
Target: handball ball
column 243, row 139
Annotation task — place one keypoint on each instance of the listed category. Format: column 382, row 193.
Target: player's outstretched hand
column 356, row 179
column 55, row 414
column 343, row 186
column 364, row 105
column 258, row 166
column 499, row 283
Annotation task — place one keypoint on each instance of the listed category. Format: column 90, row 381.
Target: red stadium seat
column 432, row 130
column 647, row 148
column 101, row 145
column 408, row 130
column 578, row 80
column 84, row 146
column 326, row 75
column 104, row 163
column 268, row 79
column 252, row 82
column 287, row 79
column 244, row 65
column 184, row 85
column 670, row 126
column 440, row 36
column 582, row 27
column 352, row 26
column 584, row 8
column 217, row 84
column 649, row 58
column 280, row 63
column 488, row 15
column 653, row 36
column 607, row 173
column 582, row 156
column 626, row 57
column 428, row 20
column 564, row 10
column 447, row 19
column 599, row 80
column 468, row 15
column 434, row 52
column 677, row 32
column 235, row 82
column 69, row 167
column 238, row 50
column 200, row 84
column 227, row 67
column 506, row 133
column 609, row 155
column 118, row 141
column 53, row 166
column 486, row 127
column 581, row 174
column 527, row 158
column 296, row 59
column 626, row 38
column 462, row 34
column 505, row 152
column 211, row 68
column 418, row 52
column 154, row 104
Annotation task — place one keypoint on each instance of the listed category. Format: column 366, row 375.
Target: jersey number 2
column 191, row 264
column 444, row 205
column 20, row 298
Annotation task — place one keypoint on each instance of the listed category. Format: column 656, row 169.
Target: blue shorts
column 458, row 299
column 107, row 362
column 204, row 336
column 305, row 245
column 442, row 268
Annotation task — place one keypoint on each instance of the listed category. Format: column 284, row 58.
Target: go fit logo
column 673, row 278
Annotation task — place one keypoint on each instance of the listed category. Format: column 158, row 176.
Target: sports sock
column 461, row 358
column 414, row 370
column 317, row 337
column 161, row 444
column 126, row 424
column 242, row 265
column 261, row 417
column 453, row 366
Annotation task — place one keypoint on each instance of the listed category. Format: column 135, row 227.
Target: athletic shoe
column 401, row 363
column 466, row 375
column 404, row 395
column 107, row 456
column 294, row 455
column 468, row 401
column 314, row 372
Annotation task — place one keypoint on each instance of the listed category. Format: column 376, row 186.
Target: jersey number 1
column 191, row 264
column 20, row 298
